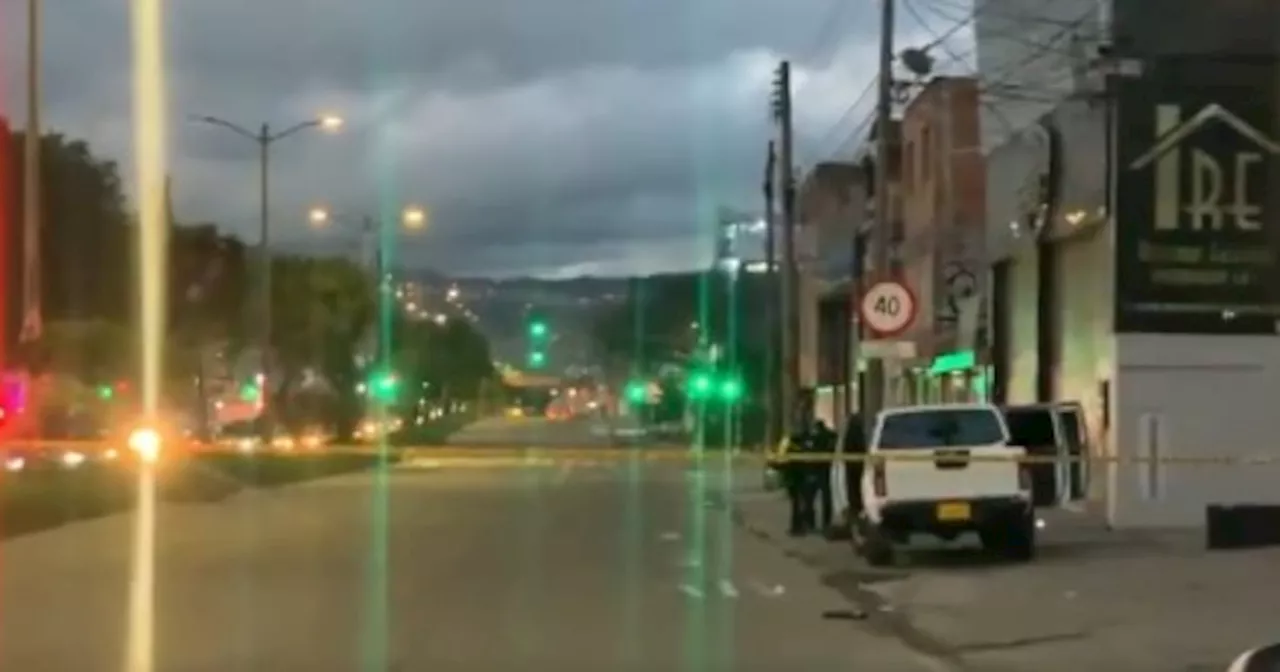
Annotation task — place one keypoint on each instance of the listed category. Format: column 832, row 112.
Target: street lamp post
column 412, row 218
column 264, row 138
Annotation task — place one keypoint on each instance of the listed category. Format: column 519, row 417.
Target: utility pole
column 265, row 138
column 790, row 278
column 32, row 321
column 773, row 301
column 883, row 232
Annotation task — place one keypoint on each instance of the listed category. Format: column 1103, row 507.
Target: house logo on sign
column 1218, row 197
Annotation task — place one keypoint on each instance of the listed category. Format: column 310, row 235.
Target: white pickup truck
column 944, row 470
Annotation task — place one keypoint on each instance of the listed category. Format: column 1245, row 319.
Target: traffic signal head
column 700, row 384
column 537, row 359
column 731, row 389
column 106, row 392
column 384, row 386
column 636, row 392
column 538, row 329
column 249, row 392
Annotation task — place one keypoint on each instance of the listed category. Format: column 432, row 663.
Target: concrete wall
column 1013, row 169
column 1183, row 397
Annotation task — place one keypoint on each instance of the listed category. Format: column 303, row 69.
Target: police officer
column 824, row 443
column 855, row 450
column 798, row 474
column 807, row 478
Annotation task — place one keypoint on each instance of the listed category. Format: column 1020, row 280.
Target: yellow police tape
column 534, row 455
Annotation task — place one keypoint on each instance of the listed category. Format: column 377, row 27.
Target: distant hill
column 571, row 306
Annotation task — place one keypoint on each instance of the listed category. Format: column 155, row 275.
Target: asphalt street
column 610, row 566
column 538, row 432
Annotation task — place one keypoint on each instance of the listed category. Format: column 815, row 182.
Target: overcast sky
column 551, row 137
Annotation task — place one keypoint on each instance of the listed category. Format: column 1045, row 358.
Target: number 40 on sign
column 887, row 308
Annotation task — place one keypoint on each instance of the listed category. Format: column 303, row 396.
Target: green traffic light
column 731, row 389
column 699, row 384
column 105, row 392
column 537, row 359
column 387, row 382
column 248, row 392
column 538, row 329
column 636, row 392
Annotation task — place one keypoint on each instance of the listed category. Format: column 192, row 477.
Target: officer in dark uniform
column 855, row 448
column 797, row 474
column 809, row 478
column 824, row 443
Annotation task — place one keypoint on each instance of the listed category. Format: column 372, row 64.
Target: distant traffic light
column 250, row 392
column 637, row 392
column 106, row 392
column 709, row 385
column 538, row 329
column 384, row 386
column 537, row 359
column 700, row 384
column 730, row 389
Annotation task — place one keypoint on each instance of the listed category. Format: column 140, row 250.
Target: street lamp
column 264, row 138
column 415, row 218
column 412, row 218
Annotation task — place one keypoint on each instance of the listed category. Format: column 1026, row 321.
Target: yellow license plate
column 954, row 511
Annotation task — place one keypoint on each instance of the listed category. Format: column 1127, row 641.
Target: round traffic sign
column 887, row 308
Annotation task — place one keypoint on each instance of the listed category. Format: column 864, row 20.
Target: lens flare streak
column 150, row 155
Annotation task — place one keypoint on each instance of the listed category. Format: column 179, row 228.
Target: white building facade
column 1133, row 233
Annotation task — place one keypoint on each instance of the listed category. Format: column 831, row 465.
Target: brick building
column 943, row 210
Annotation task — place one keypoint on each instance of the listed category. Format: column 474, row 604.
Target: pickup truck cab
column 944, row 470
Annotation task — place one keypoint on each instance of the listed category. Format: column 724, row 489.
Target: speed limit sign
column 887, row 308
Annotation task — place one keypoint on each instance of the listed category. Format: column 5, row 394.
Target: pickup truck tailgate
column 953, row 472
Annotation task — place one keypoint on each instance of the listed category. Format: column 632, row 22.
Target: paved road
column 539, row 432
column 523, row 569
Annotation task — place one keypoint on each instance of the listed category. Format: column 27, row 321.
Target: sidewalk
column 1095, row 599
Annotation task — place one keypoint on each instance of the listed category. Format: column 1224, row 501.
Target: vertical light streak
column 149, row 112
column 149, row 135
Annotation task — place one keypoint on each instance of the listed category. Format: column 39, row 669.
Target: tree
column 672, row 321
column 666, row 318
column 448, row 362
column 93, row 351
column 321, row 311
column 86, row 257
column 209, row 279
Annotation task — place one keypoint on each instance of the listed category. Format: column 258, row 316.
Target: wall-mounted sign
column 1198, row 229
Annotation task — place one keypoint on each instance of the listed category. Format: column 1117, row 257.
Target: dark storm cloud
column 572, row 134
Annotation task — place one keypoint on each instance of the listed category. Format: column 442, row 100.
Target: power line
column 940, row 40
column 828, row 32
column 829, row 134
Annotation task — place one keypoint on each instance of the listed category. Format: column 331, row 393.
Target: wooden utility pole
column 881, row 235
column 790, row 277
column 773, row 302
